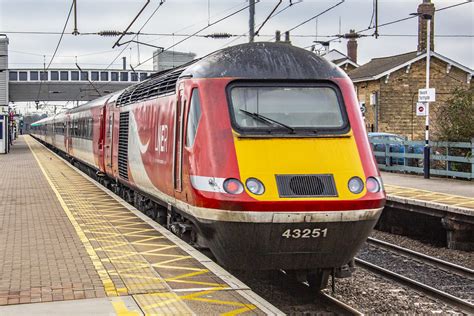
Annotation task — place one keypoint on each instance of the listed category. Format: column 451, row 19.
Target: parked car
column 395, row 143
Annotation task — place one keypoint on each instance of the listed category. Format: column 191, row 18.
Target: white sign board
column 427, row 95
column 373, row 99
column 420, row 109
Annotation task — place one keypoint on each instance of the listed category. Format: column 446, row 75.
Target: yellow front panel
column 263, row 158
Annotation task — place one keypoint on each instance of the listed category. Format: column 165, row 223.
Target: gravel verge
column 459, row 257
column 372, row 294
column 433, row 276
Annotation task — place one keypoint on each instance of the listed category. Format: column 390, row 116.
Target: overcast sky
column 186, row 17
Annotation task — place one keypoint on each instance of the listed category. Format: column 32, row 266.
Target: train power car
column 257, row 152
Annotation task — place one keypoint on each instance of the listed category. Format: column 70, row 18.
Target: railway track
column 446, row 281
column 341, row 308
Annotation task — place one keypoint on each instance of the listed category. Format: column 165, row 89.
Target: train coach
column 257, row 152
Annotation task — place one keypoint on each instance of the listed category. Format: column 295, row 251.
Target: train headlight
column 356, row 185
column 373, row 185
column 233, row 186
column 255, row 186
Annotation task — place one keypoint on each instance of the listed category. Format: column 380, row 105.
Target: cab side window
column 193, row 117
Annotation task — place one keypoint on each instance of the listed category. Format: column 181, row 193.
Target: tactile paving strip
column 130, row 256
column 430, row 196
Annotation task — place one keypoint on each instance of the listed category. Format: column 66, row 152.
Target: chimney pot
column 277, row 36
column 287, row 37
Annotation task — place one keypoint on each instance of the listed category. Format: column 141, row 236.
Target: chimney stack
column 352, row 45
column 425, row 9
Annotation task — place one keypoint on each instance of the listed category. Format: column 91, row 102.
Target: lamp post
column 426, row 149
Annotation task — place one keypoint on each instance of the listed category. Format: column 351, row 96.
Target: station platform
column 448, row 200
column 70, row 247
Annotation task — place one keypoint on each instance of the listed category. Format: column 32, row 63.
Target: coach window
column 75, row 75
column 143, row 76
column 124, row 76
column 134, row 76
column 23, row 76
column 94, row 75
column 64, row 76
column 12, row 75
column 43, row 75
column 104, row 76
column 84, row 75
column 55, row 75
column 193, row 118
column 89, row 128
column 114, row 76
column 33, row 75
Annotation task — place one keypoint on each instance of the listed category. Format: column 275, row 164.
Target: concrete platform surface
column 440, row 195
column 442, row 185
column 68, row 246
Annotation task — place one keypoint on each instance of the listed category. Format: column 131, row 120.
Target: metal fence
column 450, row 159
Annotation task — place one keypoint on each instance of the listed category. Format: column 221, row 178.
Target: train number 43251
column 305, row 233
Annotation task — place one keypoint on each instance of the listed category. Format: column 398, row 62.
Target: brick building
column 387, row 87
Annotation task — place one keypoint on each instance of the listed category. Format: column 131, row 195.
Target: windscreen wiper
column 267, row 120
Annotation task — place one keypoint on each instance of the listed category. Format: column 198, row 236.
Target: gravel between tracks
column 372, row 294
column 459, row 257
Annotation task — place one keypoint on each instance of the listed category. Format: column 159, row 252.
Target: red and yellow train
column 257, row 152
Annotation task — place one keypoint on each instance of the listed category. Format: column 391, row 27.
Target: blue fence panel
column 451, row 159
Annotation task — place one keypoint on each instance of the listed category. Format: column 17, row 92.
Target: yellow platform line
column 135, row 274
column 106, row 281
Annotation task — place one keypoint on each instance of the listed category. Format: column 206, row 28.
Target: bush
column 456, row 117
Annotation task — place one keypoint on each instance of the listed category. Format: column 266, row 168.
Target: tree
column 456, row 117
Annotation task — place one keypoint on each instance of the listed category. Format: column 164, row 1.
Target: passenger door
column 178, row 141
column 108, row 143
column 102, row 131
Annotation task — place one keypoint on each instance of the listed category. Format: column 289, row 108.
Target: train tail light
column 374, row 185
column 233, row 186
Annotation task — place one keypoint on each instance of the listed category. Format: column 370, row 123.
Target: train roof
column 261, row 60
column 264, row 60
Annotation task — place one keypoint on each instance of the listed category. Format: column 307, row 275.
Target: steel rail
column 439, row 263
column 340, row 304
column 452, row 300
column 325, row 298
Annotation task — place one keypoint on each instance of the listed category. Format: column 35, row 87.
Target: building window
column 12, row 75
column 124, row 76
column 54, row 75
column 94, row 75
column 43, row 75
column 84, row 75
column 143, row 76
column 33, row 75
column 134, row 76
column 23, row 76
column 104, row 76
column 114, row 76
column 75, row 75
column 64, row 75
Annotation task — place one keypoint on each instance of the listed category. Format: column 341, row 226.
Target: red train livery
column 257, row 152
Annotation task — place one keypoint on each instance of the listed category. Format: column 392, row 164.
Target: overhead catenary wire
column 273, row 16
column 337, row 37
column 197, row 32
column 268, row 17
